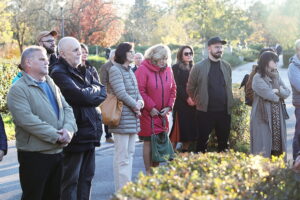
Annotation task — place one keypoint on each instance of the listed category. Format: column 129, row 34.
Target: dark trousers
column 207, row 121
column 78, row 172
column 40, row 175
column 107, row 134
column 296, row 139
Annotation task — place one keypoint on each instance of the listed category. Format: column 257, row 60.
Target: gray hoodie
column 294, row 77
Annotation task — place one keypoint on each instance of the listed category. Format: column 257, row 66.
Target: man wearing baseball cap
column 46, row 39
column 210, row 86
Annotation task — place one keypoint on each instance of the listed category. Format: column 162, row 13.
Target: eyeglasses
column 49, row 41
column 188, row 53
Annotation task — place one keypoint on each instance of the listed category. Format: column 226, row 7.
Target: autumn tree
column 141, row 22
column 28, row 17
column 94, row 22
column 207, row 18
column 5, row 25
column 169, row 31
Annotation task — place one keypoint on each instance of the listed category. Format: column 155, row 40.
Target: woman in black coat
column 3, row 140
column 184, row 126
column 93, row 70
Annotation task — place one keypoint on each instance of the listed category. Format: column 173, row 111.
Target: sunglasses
column 188, row 53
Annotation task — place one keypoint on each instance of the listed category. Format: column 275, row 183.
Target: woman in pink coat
column 158, row 89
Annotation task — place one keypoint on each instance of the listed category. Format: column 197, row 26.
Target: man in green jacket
column 44, row 124
column 210, row 86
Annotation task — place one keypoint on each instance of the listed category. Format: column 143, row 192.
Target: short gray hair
column 139, row 54
column 29, row 53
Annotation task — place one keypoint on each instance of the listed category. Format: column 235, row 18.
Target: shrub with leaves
column 287, row 55
column 231, row 175
column 239, row 138
column 96, row 61
column 232, row 58
column 8, row 70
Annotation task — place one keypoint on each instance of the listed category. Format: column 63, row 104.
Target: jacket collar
column 122, row 66
column 295, row 60
column 29, row 80
column 74, row 71
column 147, row 63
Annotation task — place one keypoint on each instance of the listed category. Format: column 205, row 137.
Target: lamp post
column 61, row 5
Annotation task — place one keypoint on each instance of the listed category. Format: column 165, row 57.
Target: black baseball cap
column 215, row 40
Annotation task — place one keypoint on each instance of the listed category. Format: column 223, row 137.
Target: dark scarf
column 274, row 76
column 183, row 66
column 275, row 117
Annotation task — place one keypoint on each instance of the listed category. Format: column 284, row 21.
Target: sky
column 124, row 5
column 241, row 2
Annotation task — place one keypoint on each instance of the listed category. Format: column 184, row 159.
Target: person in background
column 3, row 140
column 296, row 166
column 158, row 89
column 124, row 86
column 85, row 63
column 44, row 124
column 138, row 58
column 294, row 78
column 184, row 109
column 267, row 121
column 104, row 77
column 45, row 39
column 84, row 94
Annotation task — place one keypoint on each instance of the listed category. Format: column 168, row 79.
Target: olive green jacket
column 197, row 86
column 36, row 123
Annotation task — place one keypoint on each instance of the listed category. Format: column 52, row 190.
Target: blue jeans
column 296, row 139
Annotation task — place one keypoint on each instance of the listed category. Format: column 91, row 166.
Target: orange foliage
column 10, row 51
column 95, row 22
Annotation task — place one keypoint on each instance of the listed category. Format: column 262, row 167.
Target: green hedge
column 256, row 47
column 239, row 138
column 93, row 51
column 96, row 61
column 8, row 70
column 215, row 176
column 249, row 55
column 232, row 58
column 286, row 57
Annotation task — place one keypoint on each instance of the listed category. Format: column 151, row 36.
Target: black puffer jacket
column 84, row 94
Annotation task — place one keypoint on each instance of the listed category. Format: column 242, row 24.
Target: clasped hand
column 65, row 136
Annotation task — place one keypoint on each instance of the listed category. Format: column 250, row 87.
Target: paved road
column 103, row 186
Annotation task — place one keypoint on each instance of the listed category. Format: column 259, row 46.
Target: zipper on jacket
column 156, row 80
column 163, row 93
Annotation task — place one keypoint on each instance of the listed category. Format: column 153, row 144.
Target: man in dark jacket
column 3, row 140
column 84, row 94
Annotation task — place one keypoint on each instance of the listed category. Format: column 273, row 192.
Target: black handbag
column 284, row 111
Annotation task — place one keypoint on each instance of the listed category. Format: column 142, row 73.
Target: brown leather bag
column 111, row 110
